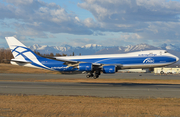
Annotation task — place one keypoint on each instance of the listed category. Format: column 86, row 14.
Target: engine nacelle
column 85, row 67
column 109, row 69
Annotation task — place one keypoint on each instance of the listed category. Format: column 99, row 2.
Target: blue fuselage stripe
column 58, row 65
column 129, row 60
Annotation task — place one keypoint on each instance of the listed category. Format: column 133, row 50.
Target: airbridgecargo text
column 147, row 54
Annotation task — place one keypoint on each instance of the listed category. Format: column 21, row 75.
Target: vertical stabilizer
column 13, row 42
column 19, row 50
column 24, row 55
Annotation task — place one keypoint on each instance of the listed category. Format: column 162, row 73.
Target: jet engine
column 85, row 67
column 109, row 69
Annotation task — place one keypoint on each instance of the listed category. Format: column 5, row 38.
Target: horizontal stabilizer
column 20, row 61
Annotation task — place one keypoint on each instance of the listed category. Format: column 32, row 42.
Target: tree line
column 49, row 55
column 6, row 55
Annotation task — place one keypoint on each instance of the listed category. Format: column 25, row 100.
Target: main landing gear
column 95, row 75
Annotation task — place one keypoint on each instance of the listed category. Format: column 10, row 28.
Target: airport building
column 134, row 70
column 175, row 70
column 166, row 70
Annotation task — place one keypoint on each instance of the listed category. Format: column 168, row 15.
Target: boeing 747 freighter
column 93, row 65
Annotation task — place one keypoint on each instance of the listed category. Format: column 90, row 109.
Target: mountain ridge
column 90, row 49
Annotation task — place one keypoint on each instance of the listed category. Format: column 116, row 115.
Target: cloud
column 152, row 20
column 2, row 34
column 162, row 32
column 135, row 20
column 81, row 42
column 126, row 11
column 35, row 16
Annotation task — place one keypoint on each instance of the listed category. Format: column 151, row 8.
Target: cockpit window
column 165, row 52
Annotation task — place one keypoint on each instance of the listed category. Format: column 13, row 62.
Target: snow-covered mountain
column 67, row 49
column 92, row 46
column 131, row 48
column 170, row 47
column 90, row 49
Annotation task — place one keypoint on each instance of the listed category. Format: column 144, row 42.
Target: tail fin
column 19, row 50
column 23, row 55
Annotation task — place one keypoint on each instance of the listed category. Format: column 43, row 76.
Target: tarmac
column 9, row 84
column 14, row 77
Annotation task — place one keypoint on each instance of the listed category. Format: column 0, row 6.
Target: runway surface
column 11, row 85
column 5, row 76
column 124, row 90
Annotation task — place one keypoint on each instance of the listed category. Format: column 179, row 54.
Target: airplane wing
column 76, row 63
column 67, row 61
column 71, row 63
column 62, row 60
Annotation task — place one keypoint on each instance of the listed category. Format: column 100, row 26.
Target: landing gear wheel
column 87, row 76
column 161, row 72
column 95, row 76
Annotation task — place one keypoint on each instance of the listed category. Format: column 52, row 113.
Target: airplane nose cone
column 177, row 59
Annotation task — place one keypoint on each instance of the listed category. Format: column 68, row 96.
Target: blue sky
column 81, row 22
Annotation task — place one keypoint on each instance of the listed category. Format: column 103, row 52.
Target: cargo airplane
column 93, row 65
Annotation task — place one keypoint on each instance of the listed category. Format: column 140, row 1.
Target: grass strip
column 55, row 106
column 8, row 68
